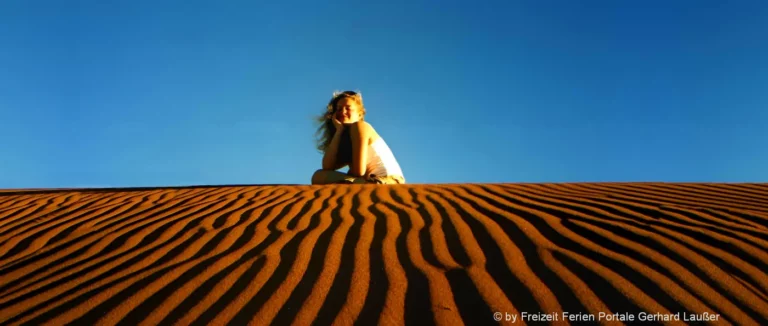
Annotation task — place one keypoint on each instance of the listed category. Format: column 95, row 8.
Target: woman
column 346, row 139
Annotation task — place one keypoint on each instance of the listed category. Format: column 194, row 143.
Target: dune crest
column 447, row 254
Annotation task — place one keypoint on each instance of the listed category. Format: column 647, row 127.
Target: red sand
column 415, row 254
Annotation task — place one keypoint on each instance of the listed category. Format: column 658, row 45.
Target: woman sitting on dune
column 346, row 139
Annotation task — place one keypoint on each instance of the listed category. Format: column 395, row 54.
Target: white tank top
column 381, row 161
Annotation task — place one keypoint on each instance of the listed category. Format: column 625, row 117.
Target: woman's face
column 348, row 111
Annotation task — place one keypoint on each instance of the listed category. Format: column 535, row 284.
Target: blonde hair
column 326, row 130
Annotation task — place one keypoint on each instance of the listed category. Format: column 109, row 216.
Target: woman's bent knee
column 318, row 177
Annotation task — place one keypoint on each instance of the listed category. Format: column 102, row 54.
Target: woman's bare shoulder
column 369, row 131
column 363, row 127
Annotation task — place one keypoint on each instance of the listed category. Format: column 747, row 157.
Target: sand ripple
column 410, row 254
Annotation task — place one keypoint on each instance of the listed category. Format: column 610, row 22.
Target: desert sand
column 446, row 254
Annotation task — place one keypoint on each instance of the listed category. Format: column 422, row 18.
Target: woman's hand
column 336, row 123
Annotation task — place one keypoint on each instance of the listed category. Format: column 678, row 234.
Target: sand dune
column 408, row 254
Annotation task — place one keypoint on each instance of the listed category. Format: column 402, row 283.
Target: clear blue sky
column 138, row 93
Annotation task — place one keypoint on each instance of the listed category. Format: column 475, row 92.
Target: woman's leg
column 330, row 176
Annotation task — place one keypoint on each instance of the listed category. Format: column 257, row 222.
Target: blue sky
column 139, row 93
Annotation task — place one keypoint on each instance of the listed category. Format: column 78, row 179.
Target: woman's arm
column 360, row 133
column 331, row 153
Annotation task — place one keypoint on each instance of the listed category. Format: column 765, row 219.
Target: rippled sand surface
column 447, row 254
